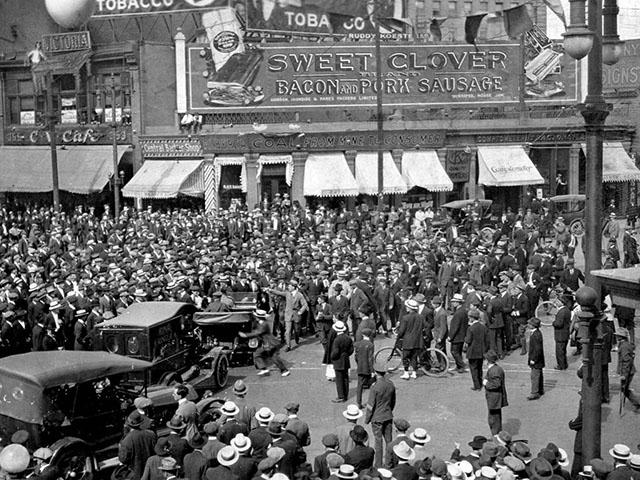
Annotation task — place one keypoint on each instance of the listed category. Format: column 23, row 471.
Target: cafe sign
column 66, row 42
column 176, row 147
column 93, row 135
column 343, row 76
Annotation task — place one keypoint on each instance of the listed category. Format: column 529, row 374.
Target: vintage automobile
column 572, row 208
column 70, row 401
column 164, row 334
column 220, row 329
column 487, row 220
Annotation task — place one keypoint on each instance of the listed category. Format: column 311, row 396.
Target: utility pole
column 379, row 119
column 51, row 115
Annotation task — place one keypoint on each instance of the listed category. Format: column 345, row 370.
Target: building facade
column 236, row 103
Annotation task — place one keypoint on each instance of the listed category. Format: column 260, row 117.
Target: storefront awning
column 506, row 166
column 617, row 165
column 166, row 179
column 232, row 160
column 367, row 174
column 328, row 175
column 423, row 169
column 81, row 169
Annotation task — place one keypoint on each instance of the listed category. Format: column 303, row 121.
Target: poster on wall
column 298, row 76
column 624, row 76
column 119, row 8
column 325, row 17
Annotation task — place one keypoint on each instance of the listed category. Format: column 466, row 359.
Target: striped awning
column 506, row 166
column 328, row 175
column 166, row 179
column 81, row 169
column 367, row 174
column 423, row 169
column 617, row 165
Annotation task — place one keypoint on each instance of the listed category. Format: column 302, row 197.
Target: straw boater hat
column 411, row 304
column 339, row 326
column 420, row 436
column 241, row 443
column 264, row 415
column 229, row 409
column 227, row 456
column 352, row 412
column 404, row 452
column 620, row 452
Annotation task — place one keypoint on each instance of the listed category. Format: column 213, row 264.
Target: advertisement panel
column 324, row 17
column 114, row 8
column 624, row 75
column 298, row 76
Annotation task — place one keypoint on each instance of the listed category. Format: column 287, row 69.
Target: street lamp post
column 116, row 176
column 580, row 40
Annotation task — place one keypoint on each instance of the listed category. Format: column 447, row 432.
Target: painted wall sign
column 112, row 8
column 624, row 75
column 89, row 135
column 458, row 165
column 66, row 42
column 176, row 147
column 343, row 76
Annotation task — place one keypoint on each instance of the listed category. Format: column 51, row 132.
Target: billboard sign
column 624, row 75
column 114, row 8
column 296, row 76
column 325, row 17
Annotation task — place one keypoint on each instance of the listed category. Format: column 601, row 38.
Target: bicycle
column 391, row 357
column 546, row 311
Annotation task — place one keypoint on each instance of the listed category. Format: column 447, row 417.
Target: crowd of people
column 431, row 278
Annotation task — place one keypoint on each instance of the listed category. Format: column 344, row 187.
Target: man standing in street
column 458, row 331
column 137, row 446
column 536, row 360
column 626, row 358
column 410, row 333
column 440, row 327
column 476, row 343
column 561, row 326
column 495, row 392
column 382, row 401
column 294, row 307
column 341, row 350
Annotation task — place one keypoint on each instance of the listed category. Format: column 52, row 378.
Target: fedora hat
column 274, row 428
column 403, row 451
column 514, row 463
column 420, row 436
column 277, row 453
column 347, row 471
column 540, row 469
column 176, row 423
column 358, row 434
column 135, row 419
column 162, row 447
column 477, row 442
column 339, row 326
column 620, row 452
column 229, row 409
column 227, row 456
column 241, row 443
column 168, row 464
column 522, row 451
column 264, row 415
column 198, row 441
column 352, row 412
column 240, row 388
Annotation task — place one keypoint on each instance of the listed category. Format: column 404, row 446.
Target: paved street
column 446, row 407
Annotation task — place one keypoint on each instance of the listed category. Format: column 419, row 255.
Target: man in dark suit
column 458, row 331
column 379, row 412
column 561, row 326
column 476, row 343
column 495, row 322
column 361, row 457
column 364, row 362
column 341, row 350
column 339, row 303
column 571, row 276
column 495, row 392
column 410, row 333
column 520, row 314
column 536, row 360
column 440, row 326
column 81, row 332
column 37, row 334
column 296, row 426
column 137, row 446
column 320, row 467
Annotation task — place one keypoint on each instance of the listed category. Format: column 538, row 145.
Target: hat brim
column 616, row 456
column 352, row 417
column 418, row 440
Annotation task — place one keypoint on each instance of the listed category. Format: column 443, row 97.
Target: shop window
column 453, row 6
column 24, row 108
column 468, row 7
column 436, row 8
column 103, row 98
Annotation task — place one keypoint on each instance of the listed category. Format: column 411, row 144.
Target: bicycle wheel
column 390, row 357
column 546, row 312
column 437, row 358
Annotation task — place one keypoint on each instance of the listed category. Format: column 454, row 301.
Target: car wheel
column 577, row 228
column 221, row 370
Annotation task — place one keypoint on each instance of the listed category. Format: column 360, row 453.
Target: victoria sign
column 344, row 76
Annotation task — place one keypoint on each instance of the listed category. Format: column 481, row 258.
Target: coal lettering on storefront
column 314, row 142
column 282, row 77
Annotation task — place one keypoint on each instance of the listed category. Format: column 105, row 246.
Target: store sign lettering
column 66, row 42
column 458, row 165
column 624, row 75
column 171, row 148
column 344, row 76
column 66, row 136
column 110, row 8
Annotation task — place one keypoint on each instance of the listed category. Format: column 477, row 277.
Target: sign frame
column 79, row 41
